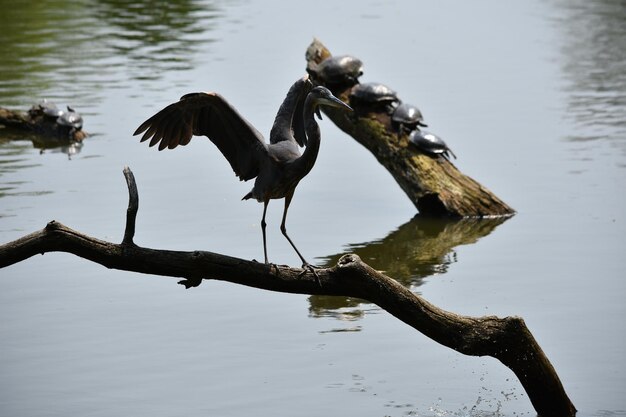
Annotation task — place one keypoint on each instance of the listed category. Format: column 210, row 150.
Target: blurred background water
column 530, row 95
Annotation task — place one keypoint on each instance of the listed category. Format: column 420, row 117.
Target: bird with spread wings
column 278, row 166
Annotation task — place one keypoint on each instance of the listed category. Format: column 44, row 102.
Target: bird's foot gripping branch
column 506, row 339
column 391, row 132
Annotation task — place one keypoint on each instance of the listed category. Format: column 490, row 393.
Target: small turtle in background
column 374, row 97
column 430, row 143
column 46, row 126
column 407, row 117
column 45, row 108
column 47, row 120
column 338, row 71
column 71, row 119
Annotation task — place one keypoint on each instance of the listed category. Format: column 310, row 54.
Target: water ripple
column 594, row 64
column 59, row 50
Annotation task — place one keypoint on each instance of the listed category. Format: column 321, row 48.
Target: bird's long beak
column 331, row 101
column 335, row 102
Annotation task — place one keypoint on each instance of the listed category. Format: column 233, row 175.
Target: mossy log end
column 434, row 185
column 506, row 339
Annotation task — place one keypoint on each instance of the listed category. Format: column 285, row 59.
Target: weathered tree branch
column 507, row 339
column 434, row 185
column 133, row 207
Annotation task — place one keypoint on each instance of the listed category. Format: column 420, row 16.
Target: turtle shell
column 47, row 108
column 374, row 97
column 430, row 143
column 408, row 115
column 71, row 119
column 373, row 93
column 343, row 69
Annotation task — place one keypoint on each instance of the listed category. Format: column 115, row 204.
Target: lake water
column 530, row 95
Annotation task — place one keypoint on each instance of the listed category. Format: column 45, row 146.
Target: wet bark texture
column 506, row 339
column 434, row 185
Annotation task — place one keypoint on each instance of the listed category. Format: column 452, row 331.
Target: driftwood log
column 506, row 339
column 434, row 185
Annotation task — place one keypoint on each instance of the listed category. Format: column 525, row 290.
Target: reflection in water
column 77, row 52
column 55, row 49
column 420, row 248
column 594, row 51
column 45, row 144
column 156, row 36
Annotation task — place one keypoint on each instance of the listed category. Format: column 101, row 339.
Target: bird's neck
column 307, row 160
column 282, row 123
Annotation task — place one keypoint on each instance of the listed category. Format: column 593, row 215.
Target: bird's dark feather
column 210, row 115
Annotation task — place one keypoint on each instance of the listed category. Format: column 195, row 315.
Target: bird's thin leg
column 263, row 224
column 283, row 229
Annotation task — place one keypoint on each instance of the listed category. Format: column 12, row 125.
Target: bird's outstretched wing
column 210, row 115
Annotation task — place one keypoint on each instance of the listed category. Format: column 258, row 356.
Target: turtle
column 71, row 119
column 339, row 71
column 46, row 108
column 374, row 96
column 430, row 143
column 407, row 117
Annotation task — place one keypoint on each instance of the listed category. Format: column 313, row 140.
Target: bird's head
column 323, row 97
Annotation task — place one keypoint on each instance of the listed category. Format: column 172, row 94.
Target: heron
column 278, row 166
